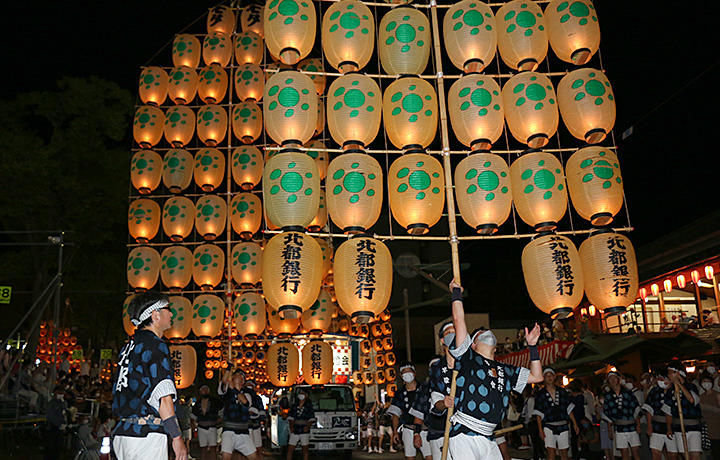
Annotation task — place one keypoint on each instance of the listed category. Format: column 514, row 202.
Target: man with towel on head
column 553, row 411
column 236, row 416
column 483, row 385
column 206, row 415
column 621, row 409
column 403, row 419
column 144, row 391
column 692, row 414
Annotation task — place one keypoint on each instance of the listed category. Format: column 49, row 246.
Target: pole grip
column 450, row 410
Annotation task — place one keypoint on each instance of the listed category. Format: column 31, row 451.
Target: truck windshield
column 331, row 398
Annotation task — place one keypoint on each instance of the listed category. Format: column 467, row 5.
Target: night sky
column 658, row 56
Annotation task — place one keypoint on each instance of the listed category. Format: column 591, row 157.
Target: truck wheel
column 347, row 455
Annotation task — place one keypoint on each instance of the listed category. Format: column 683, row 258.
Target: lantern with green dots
column 208, row 266
column 247, row 166
column 595, row 184
column 410, row 112
column 208, row 315
column 290, row 107
column 186, row 51
column 153, row 86
column 539, row 191
column 354, row 108
column 587, row 104
column 531, row 108
column 354, row 188
column 348, row 35
column 484, row 191
column 246, row 260
column 470, row 35
column 143, row 220
column 289, row 27
column 250, row 314
column 475, row 106
column 291, row 189
column 210, row 216
column 179, row 126
column 573, row 30
column 404, row 41
column 246, row 214
column 416, row 189
column 522, row 34
column 176, row 267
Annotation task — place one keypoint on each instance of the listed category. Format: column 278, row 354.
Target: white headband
column 487, row 337
column 160, row 304
column 550, row 370
column 407, row 366
column 679, row 371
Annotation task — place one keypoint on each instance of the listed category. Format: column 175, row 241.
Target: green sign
column 5, row 292
column 77, row 354
column 106, row 353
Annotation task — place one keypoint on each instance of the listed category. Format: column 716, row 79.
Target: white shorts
column 627, row 440
column 694, row 440
column 659, row 440
column 385, row 430
column 410, row 451
column 557, row 441
column 370, row 432
column 363, row 432
column 256, row 434
column 207, row 437
column 154, row 445
column 436, row 449
column 303, row 439
column 187, row 433
column 467, row 447
column 242, row 443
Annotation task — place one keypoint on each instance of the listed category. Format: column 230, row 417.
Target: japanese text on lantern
column 282, row 361
column 365, row 262
column 253, row 11
column 176, row 357
column 563, row 270
column 291, row 262
column 216, row 15
column 316, row 361
column 618, row 259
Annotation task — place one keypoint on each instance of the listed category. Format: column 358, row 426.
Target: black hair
column 406, row 363
column 442, row 328
column 141, row 302
column 706, row 376
column 435, row 357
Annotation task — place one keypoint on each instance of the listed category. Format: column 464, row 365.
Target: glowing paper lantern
column 217, row 49
column 184, row 365
column 127, row 324
column 386, row 328
column 354, row 102
column 416, row 188
column 363, row 277
column 348, row 35
column 208, row 266
column 153, row 86
column 145, row 171
column 221, row 19
column 522, row 34
column 212, row 84
column 290, row 107
column 209, row 169
column 247, row 121
column 573, row 30
column 148, row 126
column 319, row 316
column 538, row 184
column 186, row 51
column 246, row 266
column 475, row 105
column 377, row 345
column 470, row 35
column 321, row 217
column 404, row 41
column 183, row 85
column 212, row 122
column 176, row 267
column 609, row 263
column 355, row 191
column 246, row 214
column 181, row 308
column 317, row 362
column 292, row 273
column 249, row 82
column 247, row 166
column 595, row 184
column 248, row 48
column 210, row 216
column 379, row 376
column 483, row 191
column 179, row 125
column 530, row 108
column 251, row 19
column 208, row 315
column 283, row 365
column 143, row 268
column 281, row 326
column 314, row 65
column 291, row 186
column 289, row 29
column 587, row 104
column 177, row 170
column 553, row 274
column 410, row 111
column 143, row 220
column 178, row 218
column 390, row 360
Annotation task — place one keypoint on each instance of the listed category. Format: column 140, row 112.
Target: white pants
column 207, row 437
column 474, row 447
column 242, row 443
column 627, row 440
column 154, row 445
column 436, row 449
column 303, row 439
column 694, row 440
column 410, row 451
column 557, row 441
column 659, row 440
column 256, row 434
column 385, row 430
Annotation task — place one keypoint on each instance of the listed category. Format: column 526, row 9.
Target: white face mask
column 707, row 385
column 662, row 384
column 301, row 397
column 629, row 385
column 408, row 377
column 711, row 369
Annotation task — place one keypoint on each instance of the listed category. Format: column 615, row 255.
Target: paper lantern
column 289, row 29
column 354, row 102
column 366, row 347
column 292, row 273
column 417, row 192
column 186, row 51
column 387, row 343
column 595, row 184
column 143, row 220
column 377, row 345
column 348, row 35
column 127, row 324
column 327, row 256
column 247, row 122
column 470, row 35
column 390, row 360
column 410, row 111
column 319, row 316
column 221, row 19
column 148, row 126
column 249, row 82
column 283, row 363
column 343, row 325
column 530, row 108
column 475, row 105
column 365, row 361
column 483, row 191
column 380, row 361
column 179, row 125
column 209, row 169
column 212, row 121
column 404, row 41
column 317, row 362
column 260, row 357
column 143, row 268
column 247, row 166
column 380, row 376
column 246, row 264
column 573, row 30
column 178, row 218
column 145, row 171
column 282, row 326
column 250, row 314
column 363, row 277
column 208, row 315
column 153, row 86
column 176, row 267
column 210, row 216
column 246, row 214
column 522, row 34
column 183, row 85
column 320, row 220
column 291, row 186
column 184, row 365
column 290, row 107
column 386, row 328
column 314, row 66
column 249, row 357
column 251, row 19
column 181, row 308
column 538, row 184
column 177, row 170
column 248, row 48
column 208, row 266
column 587, row 104
column 217, row 49
column 553, row 274
column 609, row 263
column 212, row 84
column 385, row 315
column 355, row 191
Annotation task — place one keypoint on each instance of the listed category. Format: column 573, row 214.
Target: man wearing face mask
column 553, row 411
column 692, row 415
column 712, row 370
column 257, row 413
column 656, row 426
column 483, row 385
column 206, row 416
column 301, row 417
column 236, row 416
column 440, row 377
column 400, row 407
column 433, row 423
column 621, row 410
column 710, row 406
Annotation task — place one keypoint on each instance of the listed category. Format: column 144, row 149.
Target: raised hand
column 533, row 336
